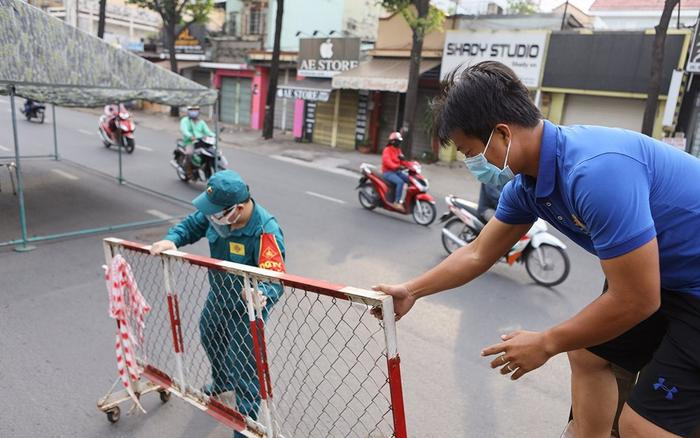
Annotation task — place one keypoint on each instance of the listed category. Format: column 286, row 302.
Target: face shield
column 222, row 221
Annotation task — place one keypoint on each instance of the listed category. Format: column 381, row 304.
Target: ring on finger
column 509, row 368
column 503, row 359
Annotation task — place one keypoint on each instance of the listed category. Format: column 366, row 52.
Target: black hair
column 478, row 98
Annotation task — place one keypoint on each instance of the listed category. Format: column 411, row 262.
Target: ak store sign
column 522, row 51
column 326, row 57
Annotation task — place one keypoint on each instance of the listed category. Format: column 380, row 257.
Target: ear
column 504, row 132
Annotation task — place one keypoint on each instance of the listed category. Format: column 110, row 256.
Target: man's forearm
column 605, row 318
column 459, row 268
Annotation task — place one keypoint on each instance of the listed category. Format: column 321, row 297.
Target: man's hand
column 261, row 297
column 162, row 245
column 522, row 352
column 403, row 300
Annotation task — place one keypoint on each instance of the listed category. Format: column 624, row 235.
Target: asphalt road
column 56, row 353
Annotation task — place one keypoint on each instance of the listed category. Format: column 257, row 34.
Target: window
column 254, row 21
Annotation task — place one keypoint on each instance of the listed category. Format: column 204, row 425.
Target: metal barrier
column 267, row 354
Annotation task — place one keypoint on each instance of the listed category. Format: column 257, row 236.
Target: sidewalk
column 444, row 178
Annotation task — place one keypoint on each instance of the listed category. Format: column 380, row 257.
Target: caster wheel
column 164, row 396
column 113, row 414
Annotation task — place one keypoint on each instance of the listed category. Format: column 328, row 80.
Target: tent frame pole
column 120, row 178
column 22, row 244
column 216, row 137
column 55, row 137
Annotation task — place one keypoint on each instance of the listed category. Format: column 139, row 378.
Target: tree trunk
column 170, row 42
column 101, row 19
column 269, row 123
column 409, row 114
column 657, row 60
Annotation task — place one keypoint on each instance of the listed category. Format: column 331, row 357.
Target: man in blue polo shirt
column 622, row 196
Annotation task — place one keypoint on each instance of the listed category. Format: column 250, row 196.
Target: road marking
column 327, row 198
column 160, row 215
column 86, row 132
column 144, row 148
column 313, row 165
column 3, row 148
column 65, row 174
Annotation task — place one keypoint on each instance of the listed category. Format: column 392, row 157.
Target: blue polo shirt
column 611, row 191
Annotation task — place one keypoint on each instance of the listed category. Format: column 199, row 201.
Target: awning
column 318, row 90
column 380, row 75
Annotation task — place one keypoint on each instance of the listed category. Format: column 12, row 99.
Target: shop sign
column 191, row 40
column 694, row 58
column 305, row 94
column 326, row 57
column 362, row 119
column 522, row 51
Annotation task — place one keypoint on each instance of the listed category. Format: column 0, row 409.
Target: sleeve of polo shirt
column 512, row 209
column 611, row 194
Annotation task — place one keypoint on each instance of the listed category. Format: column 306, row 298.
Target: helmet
column 395, row 138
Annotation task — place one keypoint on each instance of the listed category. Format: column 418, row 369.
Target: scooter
column 206, row 160
column 375, row 191
column 118, row 130
column 33, row 110
column 542, row 253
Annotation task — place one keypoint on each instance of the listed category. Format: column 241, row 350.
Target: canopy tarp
column 50, row 61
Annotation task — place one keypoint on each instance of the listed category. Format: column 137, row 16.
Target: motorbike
column 375, row 191
column 117, row 130
column 206, row 160
column 34, row 110
column 543, row 254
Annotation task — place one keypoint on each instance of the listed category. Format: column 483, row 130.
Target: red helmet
column 395, row 138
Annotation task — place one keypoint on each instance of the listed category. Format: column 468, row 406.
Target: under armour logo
column 669, row 391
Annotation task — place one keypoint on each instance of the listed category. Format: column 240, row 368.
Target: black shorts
column 666, row 348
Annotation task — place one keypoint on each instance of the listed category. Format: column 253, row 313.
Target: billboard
column 326, row 57
column 522, row 51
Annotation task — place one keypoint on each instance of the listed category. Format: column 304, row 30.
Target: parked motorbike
column 375, row 191
column 118, row 130
column 204, row 164
column 34, row 110
column 542, row 253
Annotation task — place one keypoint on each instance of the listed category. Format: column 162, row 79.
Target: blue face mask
column 486, row 172
column 193, row 114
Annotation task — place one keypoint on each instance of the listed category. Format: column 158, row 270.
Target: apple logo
column 327, row 49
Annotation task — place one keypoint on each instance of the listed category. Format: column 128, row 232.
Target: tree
column 177, row 15
column 269, row 123
column 657, row 61
column 422, row 18
column 521, row 7
column 101, row 19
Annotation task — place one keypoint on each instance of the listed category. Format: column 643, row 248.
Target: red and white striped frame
column 224, row 414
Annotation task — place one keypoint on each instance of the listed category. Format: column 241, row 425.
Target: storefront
column 384, row 82
column 601, row 78
column 323, row 115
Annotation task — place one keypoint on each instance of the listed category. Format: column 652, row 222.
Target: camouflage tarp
column 49, row 61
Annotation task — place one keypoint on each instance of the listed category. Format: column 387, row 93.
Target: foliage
column 522, row 7
column 420, row 26
column 178, row 12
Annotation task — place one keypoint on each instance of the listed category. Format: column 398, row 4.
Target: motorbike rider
column 193, row 130
column 488, row 201
column 29, row 105
column 241, row 231
column 111, row 111
column 392, row 161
